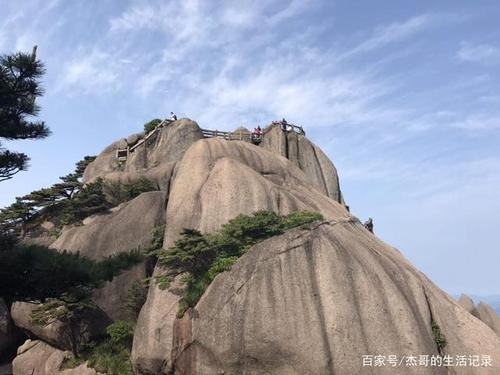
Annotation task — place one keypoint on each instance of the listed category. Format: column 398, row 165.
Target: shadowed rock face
column 155, row 159
column 126, row 228
column 315, row 301
column 307, row 156
column 39, row 358
column 92, row 325
column 8, row 332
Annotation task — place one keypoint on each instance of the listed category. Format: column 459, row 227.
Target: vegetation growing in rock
column 36, row 273
column 201, row 257
column 136, row 297
column 70, row 313
column 111, row 355
column 20, row 76
column 65, row 202
column 149, row 126
column 439, row 337
column 69, row 201
column 122, row 192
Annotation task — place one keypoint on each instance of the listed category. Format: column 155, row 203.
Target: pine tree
column 20, row 75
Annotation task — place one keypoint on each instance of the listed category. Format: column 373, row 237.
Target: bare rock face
column 91, row 325
column 468, row 304
column 112, row 296
column 125, row 229
column 216, row 181
column 314, row 302
column 154, row 159
column 482, row 311
column 307, row 156
column 486, row 313
column 39, row 358
column 8, row 332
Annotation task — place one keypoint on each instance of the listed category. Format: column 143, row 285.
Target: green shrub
column 203, row 257
column 439, row 337
column 151, row 125
column 35, row 273
column 121, row 333
column 136, row 297
column 118, row 192
column 111, row 355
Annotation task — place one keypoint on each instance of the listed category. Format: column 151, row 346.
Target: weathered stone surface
column 307, row 156
column 8, row 332
column 316, row 301
column 486, row 313
column 122, row 230
column 112, row 296
column 482, row 311
column 155, row 159
column 154, row 330
column 216, row 181
column 466, row 302
column 39, row 358
column 56, row 333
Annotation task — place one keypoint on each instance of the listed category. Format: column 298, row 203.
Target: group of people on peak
column 257, row 135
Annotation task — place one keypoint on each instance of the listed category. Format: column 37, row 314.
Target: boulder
column 92, row 324
column 125, row 229
column 154, row 159
column 315, row 301
column 39, row 358
column 319, row 170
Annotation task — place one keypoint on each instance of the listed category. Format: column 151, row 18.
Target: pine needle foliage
column 201, row 257
column 20, row 76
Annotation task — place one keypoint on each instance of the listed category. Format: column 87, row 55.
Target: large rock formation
column 314, row 302
column 482, row 311
column 311, row 301
column 128, row 227
column 307, row 156
column 56, row 333
column 39, row 358
column 155, row 159
column 216, row 181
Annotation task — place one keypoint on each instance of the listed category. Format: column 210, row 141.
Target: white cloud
column 92, row 73
column 395, row 32
column 482, row 53
column 478, row 122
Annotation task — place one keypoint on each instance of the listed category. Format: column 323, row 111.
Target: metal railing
column 239, row 135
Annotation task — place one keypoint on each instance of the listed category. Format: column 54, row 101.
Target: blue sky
column 403, row 96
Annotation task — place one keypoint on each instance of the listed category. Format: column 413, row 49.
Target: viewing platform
column 240, row 134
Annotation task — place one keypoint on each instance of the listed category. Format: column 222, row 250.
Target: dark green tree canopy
column 20, row 75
